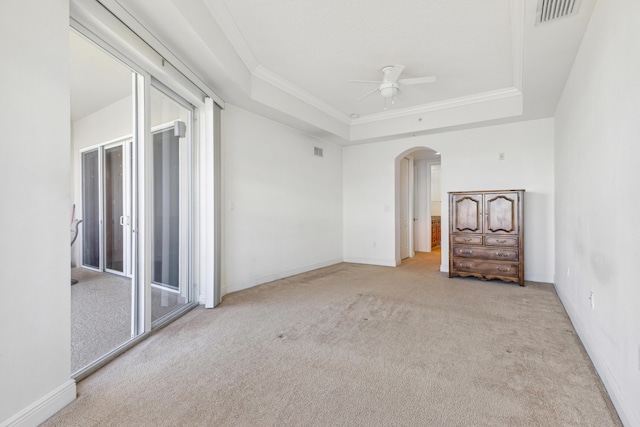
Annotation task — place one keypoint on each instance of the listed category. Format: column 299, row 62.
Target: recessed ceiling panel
column 319, row 46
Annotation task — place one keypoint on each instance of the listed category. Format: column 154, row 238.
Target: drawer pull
column 501, row 241
column 467, row 239
column 502, row 255
column 466, row 266
column 467, row 252
column 503, row 270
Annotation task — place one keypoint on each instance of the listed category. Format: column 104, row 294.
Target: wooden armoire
column 486, row 235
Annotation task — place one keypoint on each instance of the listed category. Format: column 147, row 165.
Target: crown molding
column 441, row 105
column 289, row 88
column 496, row 105
column 517, row 41
column 220, row 13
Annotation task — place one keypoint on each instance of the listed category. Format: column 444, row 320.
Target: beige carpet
column 356, row 345
column 101, row 314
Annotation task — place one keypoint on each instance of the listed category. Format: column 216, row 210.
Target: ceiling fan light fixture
column 388, row 89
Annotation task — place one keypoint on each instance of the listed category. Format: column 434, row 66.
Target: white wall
column 597, row 183
column 113, row 122
column 36, row 208
column 369, row 202
column 469, row 161
column 282, row 205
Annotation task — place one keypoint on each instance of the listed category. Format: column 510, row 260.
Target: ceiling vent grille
column 550, row 10
column 317, row 151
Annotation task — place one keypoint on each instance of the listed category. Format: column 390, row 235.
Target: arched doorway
column 418, row 202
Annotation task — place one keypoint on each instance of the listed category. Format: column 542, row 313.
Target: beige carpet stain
column 356, row 345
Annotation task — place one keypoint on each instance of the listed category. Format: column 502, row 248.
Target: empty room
column 319, row 213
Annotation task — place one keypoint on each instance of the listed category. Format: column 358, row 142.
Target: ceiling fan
column 390, row 85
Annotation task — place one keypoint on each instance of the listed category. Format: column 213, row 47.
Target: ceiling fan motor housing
column 388, row 89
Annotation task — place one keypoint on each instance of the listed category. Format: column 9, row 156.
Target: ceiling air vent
column 317, row 151
column 550, row 10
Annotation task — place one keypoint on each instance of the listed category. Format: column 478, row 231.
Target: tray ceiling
column 292, row 60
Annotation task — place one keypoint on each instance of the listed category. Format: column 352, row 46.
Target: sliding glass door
column 133, row 157
column 102, row 119
column 171, row 202
column 106, row 184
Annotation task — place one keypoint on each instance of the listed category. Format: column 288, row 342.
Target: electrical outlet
column 591, row 300
column 374, row 244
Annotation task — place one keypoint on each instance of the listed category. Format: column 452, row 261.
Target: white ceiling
column 292, row 60
column 320, row 45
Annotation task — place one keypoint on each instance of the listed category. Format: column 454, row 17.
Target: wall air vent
column 317, row 151
column 550, row 10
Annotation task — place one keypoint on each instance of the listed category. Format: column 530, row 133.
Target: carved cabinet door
column 467, row 213
column 501, row 213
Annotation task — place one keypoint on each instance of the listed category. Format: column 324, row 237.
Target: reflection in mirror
column 101, row 129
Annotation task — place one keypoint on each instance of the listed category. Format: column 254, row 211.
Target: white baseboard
column 544, row 278
column 40, row 410
column 371, row 261
column 238, row 286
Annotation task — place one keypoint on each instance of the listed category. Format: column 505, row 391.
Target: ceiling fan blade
column 393, row 74
column 365, row 81
column 417, row 80
column 401, row 96
column 367, row 94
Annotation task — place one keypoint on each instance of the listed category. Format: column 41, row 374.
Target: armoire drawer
column 501, row 241
column 467, row 239
column 487, row 269
column 505, row 254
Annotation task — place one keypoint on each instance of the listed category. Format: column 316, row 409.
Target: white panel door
column 404, row 208
column 422, row 221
